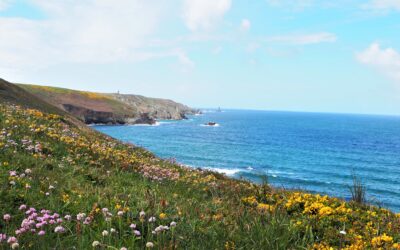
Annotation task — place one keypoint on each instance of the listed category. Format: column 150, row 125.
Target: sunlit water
column 317, row 152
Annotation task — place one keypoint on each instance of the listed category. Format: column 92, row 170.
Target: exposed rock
column 99, row 108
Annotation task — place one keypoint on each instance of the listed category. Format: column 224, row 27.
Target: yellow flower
column 264, row 207
column 381, row 241
column 65, row 197
column 250, row 200
column 325, row 211
column 162, row 216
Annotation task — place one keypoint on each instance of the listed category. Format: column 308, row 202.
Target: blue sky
column 297, row 55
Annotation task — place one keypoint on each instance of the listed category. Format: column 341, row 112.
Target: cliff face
column 162, row 109
column 99, row 108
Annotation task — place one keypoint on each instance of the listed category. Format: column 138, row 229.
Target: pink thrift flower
column 3, row 237
column 59, row 229
column 7, row 217
column 11, row 240
column 41, row 233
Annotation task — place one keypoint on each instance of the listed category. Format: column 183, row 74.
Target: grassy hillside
column 11, row 93
column 94, row 107
column 67, row 188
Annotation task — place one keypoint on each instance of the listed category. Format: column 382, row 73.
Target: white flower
column 14, row 245
column 142, row 214
column 51, row 187
column 124, row 248
column 80, row 216
column 343, row 232
column 28, row 171
column 173, row 224
column 149, row 245
column 104, row 233
column 120, row 213
column 59, row 229
column 152, row 219
column 112, row 230
column 95, row 243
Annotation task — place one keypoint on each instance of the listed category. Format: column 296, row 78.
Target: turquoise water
column 312, row 151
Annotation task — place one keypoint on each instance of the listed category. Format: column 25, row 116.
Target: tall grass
column 358, row 190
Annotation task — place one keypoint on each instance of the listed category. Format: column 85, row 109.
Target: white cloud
column 245, row 25
column 4, row 4
column 184, row 60
column 383, row 5
column 304, row 39
column 386, row 60
column 82, row 31
column 296, row 5
column 252, row 47
column 204, row 14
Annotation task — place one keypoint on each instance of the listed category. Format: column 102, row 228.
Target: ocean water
column 312, row 151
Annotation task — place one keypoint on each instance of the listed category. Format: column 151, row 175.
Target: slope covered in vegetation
column 65, row 187
column 92, row 107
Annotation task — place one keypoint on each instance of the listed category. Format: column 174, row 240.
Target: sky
column 296, row 55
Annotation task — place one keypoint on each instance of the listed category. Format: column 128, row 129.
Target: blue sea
column 313, row 151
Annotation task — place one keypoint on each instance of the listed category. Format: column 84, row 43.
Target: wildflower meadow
column 65, row 186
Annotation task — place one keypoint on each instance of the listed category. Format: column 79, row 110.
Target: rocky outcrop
column 90, row 116
column 99, row 108
column 161, row 109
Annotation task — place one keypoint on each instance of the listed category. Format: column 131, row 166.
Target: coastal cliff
column 104, row 108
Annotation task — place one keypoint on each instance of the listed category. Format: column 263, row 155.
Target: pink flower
column 80, row 216
column 3, row 237
column 67, row 217
column 12, row 240
column 13, row 173
column 132, row 226
column 41, row 233
column 22, row 207
column 59, row 229
column 87, row 221
column 136, row 232
column 7, row 217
